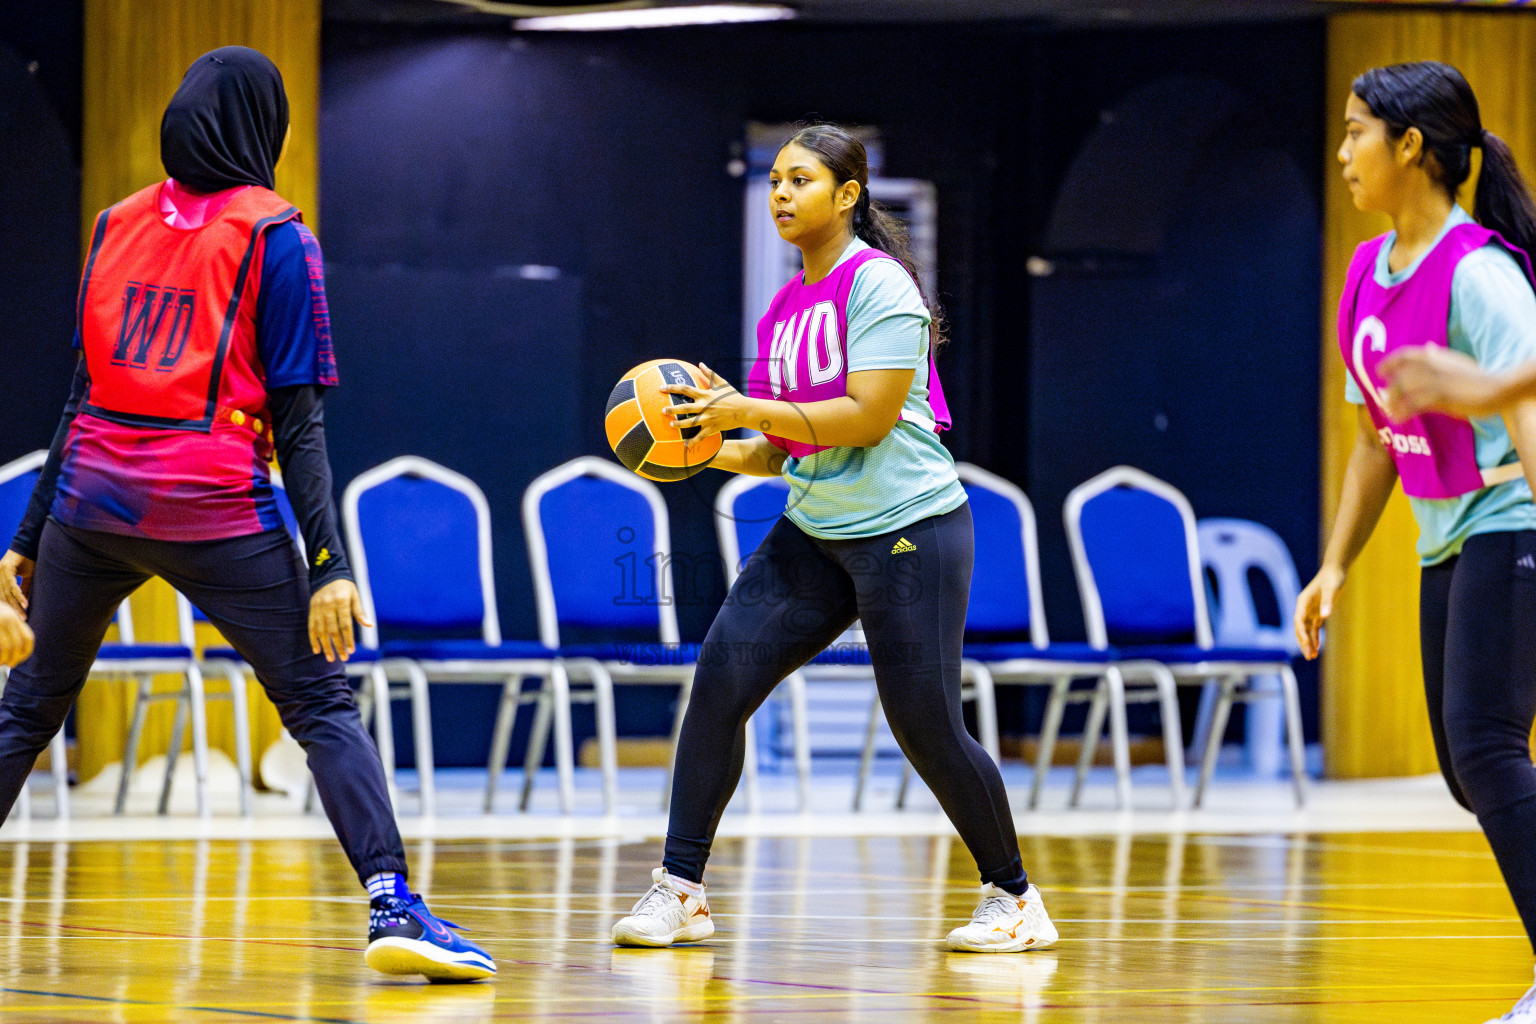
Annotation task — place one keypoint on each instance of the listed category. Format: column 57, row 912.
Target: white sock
column 387, row 883
column 682, row 885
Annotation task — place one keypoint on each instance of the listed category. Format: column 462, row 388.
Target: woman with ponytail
column 1463, row 290
column 877, row 529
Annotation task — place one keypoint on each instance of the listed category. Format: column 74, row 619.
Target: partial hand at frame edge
column 16, row 580
column 15, row 637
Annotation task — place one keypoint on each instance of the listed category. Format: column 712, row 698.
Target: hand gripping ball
column 639, row 430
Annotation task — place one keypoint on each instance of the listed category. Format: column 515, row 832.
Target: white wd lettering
column 826, row 358
column 781, row 356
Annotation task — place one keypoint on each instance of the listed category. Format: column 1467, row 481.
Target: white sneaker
column 665, row 915
column 1523, row 1012
column 1005, row 923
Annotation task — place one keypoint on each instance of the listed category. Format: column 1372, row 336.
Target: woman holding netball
column 846, row 397
column 1444, row 280
column 205, row 346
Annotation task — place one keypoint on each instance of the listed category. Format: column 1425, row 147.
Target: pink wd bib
column 1436, row 455
column 802, row 348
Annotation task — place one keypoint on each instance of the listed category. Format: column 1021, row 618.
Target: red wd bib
column 162, row 309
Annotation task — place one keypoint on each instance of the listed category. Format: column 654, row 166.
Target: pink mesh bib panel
column 802, row 348
column 1436, row 455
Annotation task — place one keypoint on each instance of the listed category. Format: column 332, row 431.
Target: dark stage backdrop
column 40, row 48
column 566, row 201
column 512, row 221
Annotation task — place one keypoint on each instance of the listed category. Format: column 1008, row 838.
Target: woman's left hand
column 712, row 410
column 331, row 611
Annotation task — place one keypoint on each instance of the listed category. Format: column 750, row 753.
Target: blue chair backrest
column 601, row 539
column 1000, row 593
column 1134, row 541
column 754, row 512
column 422, row 543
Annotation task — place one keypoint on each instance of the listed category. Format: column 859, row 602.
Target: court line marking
column 119, row 1001
column 1356, row 908
column 916, row 891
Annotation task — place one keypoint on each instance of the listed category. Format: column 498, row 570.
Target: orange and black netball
column 641, row 433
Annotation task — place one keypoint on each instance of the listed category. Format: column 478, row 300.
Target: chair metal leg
column 198, row 699
column 538, row 736
column 421, row 722
column 501, row 737
column 1055, row 707
column 799, row 723
column 986, row 706
column 904, row 785
column 59, row 757
column 131, row 744
column 1119, row 738
column 749, row 769
column 565, row 759
column 1213, row 742
column 1091, row 731
column 364, row 700
column 1294, row 738
column 172, row 755
column 1208, row 694
column 867, row 756
column 1168, row 705
column 684, row 695
column 240, row 710
column 384, row 728
column 607, row 730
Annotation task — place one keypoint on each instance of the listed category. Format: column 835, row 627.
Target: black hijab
column 225, row 125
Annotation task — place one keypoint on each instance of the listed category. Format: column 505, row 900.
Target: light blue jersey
column 1493, row 320
column 848, row 492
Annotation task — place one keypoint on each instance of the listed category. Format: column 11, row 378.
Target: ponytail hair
column 843, row 154
column 1503, row 200
column 1436, row 99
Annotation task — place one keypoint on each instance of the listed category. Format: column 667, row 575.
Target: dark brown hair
column 1436, row 99
column 841, row 152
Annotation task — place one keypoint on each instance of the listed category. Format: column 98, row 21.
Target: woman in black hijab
column 193, row 373
column 227, row 123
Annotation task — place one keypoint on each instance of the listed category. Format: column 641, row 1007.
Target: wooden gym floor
column 1167, row 927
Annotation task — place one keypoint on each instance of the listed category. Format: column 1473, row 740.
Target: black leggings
column 255, row 590
column 795, row 595
column 1477, row 626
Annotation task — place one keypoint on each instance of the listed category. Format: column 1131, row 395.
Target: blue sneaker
column 404, row 938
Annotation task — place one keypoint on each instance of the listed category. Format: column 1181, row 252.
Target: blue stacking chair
column 1137, row 559
column 372, row 699
column 419, row 536
column 141, row 662
column 1006, row 600
column 17, row 478
column 600, row 551
column 746, row 508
